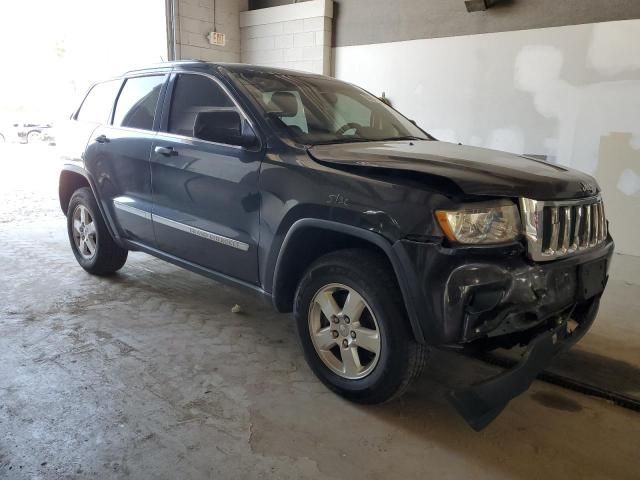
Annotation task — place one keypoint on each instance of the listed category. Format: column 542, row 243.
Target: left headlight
column 481, row 223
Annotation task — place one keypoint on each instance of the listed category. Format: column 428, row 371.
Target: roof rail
column 157, row 66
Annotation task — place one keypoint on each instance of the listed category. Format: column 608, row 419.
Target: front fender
column 289, row 248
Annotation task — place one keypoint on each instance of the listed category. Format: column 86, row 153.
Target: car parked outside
column 25, row 132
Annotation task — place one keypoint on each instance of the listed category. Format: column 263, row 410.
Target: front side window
column 315, row 110
column 137, row 102
column 97, row 105
column 192, row 95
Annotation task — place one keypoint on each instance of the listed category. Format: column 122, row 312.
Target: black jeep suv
column 382, row 240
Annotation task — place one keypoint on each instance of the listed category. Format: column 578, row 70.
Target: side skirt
column 212, row 274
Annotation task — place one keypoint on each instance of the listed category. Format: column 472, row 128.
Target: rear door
column 205, row 194
column 118, row 156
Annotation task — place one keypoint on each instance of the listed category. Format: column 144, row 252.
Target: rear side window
column 98, row 102
column 137, row 102
column 194, row 94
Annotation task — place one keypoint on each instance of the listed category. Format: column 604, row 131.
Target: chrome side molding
column 214, row 237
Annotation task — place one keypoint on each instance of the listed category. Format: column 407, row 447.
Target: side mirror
column 223, row 126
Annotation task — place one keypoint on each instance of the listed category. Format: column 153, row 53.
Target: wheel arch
column 71, row 179
column 309, row 239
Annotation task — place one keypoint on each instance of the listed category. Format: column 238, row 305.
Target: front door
column 205, row 194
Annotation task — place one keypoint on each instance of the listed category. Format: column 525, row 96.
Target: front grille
column 559, row 228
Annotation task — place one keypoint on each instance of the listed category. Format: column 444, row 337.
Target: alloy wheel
column 84, row 232
column 344, row 331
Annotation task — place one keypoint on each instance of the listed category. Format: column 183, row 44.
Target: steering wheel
column 348, row 126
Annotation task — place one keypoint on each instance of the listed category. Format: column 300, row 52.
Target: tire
column 92, row 244
column 376, row 378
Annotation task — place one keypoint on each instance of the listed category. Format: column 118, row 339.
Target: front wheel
column 353, row 327
column 92, row 244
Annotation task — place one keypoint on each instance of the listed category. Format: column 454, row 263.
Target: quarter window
column 97, row 105
column 137, row 102
column 194, row 94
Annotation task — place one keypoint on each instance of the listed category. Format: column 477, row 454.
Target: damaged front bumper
column 462, row 296
column 481, row 403
column 483, row 298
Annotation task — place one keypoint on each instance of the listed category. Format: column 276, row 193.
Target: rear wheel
column 353, row 327
column 92, row 244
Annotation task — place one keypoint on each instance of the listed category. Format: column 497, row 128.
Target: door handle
column 166, row 151
column 102, row 139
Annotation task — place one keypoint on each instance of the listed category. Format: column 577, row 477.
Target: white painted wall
column 296, row 36
column 196, row 18
column 571, row 93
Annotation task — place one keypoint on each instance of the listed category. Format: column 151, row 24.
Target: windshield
column 315, row 110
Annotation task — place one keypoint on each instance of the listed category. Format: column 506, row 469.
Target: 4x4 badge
column 338, row 199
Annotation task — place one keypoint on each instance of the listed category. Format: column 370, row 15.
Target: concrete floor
column 148, row 374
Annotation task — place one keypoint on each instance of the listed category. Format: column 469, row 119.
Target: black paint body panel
column 475, row 171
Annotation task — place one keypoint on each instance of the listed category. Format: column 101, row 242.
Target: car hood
column 475, row 171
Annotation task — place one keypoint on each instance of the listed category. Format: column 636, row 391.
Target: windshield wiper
column 404, row 137
column 362, row 139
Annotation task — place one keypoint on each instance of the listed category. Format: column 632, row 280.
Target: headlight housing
column 481, row 223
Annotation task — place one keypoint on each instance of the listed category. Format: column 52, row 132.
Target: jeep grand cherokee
column 383, row 241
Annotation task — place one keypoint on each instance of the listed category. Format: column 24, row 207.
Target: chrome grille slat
column 602, row 223
column 555, row 231
column 576, row 228
column 558, row 228
column 586, row 241
column 596, row 224
column 566, row 229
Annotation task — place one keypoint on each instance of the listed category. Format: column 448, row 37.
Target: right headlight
column 481, row 223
